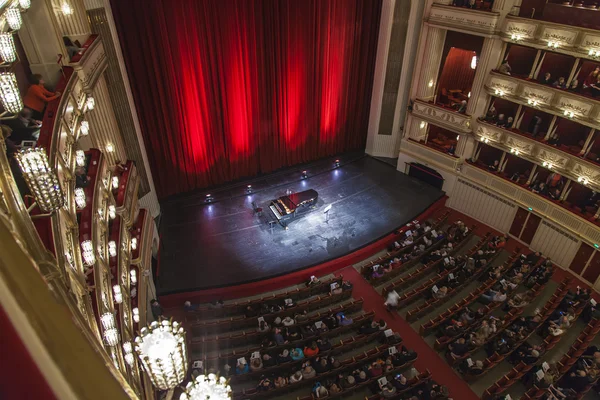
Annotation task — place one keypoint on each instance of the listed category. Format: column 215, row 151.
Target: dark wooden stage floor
column 224, row 243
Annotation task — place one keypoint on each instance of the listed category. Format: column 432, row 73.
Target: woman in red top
column 37, row 96
column 311, row 351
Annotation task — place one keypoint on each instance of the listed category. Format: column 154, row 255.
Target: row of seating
column 569, row 359
column 453, row 311
column 237, row 308
column 421, row 379
column 545, row 313
column 413, row 295
column 436, row 224
column 424, row 270
column 243, row 322
column 345, row 366
column 430, row 304
column 219, row 342
column 504, row 383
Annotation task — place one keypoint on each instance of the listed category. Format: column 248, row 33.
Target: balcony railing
column 460, row 18
column 442, row 116
column 429, row 155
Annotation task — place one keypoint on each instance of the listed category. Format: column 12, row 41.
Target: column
column 415, row 129
column 72, row 19
column 488, row 59
column 465, row 147
column 430, row 65
column 104, row 131
column 42, row 42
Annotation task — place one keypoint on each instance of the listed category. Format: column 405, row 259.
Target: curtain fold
column 227, row 89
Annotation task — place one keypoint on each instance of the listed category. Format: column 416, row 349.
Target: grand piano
column 285, row 208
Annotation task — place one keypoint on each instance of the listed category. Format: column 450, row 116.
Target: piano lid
column 301, row 197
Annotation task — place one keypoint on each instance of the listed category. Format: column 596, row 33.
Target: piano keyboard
column 275, row 211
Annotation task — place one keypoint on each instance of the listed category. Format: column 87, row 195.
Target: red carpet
column 428, row 358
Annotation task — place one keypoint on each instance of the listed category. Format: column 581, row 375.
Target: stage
column 225, row 243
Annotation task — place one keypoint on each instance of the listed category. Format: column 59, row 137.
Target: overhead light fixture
column 128, row 353
column 112, row 212
column 118, row 296
column 112, row 248
column 516, row 37
column 499, row 92
column 134, row 243
column 66, row 8
column 474, row 62
column 133, row 276
column 90, row 103
column 515, row 151
column 582, row 180
column 25, row 4
column 207, row 387
column 485, row 140
column 533, row 103
column 162, row 352
column 13, row 18
column 107, row 320
column 569, row 114
column 9, row 93
column 553, row 44
column 8, row 52
column 136, row 314
column 84, row 128
column 209, row 198
column 80, row 158
column 111, row 337
column 41, row 180
column 80, row 200
column 87, row 252
column 547, row 164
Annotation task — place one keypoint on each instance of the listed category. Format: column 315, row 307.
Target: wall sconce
column 430, row 84
column 594, row 53
column 208, row 198
column 87, row 252
column 84, row 128
column 80, row 158
column 13, row 18
column 249, row 189
column 115, row 182
column 133, row 276
column 128, row 355
column 66, row 8
column 110, row 148
column 547, row 164
column 9, row 93
column 336, row 163
column 111, row 337
column 90, row 103
column 136, row 314
column 515, row 151
column 422, row 125
column 569, row 114
column 499, row 92
column 112, row 248
column 474, row 62
column 80, row 200
column 533, row 103
column 112, row 212
column 41, row 180
column 8, row 52
column 25, row 4
column 134, row 243
column 582, row 180
column 553, row 45
column 117, row 294
column 207, row 387
column 515, row 37
column 485, row 140
column 469, row 95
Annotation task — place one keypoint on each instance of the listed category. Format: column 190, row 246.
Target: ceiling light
column 80, row 199
column 8, row 52
column 13, row 18
column 41, row 180
column 9, row 93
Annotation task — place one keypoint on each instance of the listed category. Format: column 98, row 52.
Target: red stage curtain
column 229, row 89
column 457, row 72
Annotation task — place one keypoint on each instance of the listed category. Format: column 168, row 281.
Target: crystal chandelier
column 80, row 199
column 80, row 158
column 41, row 180
column 128, row 353
column 84, row 129
column 161, row 350
column 207, row 387
column 90, row 103
column 25, row 4
column 13, row 18
column 111, row 337
column 112, row 212
column 115, row 182
column 134, row 243
column 133, row 276
column 136, row 314
column 117, row 294
column 8, row 52
column 87, row 251
column 9, row 93
column 112, row 248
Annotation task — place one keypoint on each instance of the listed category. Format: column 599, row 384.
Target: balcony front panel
column 441, row 116
column 429, row 155
column 90, row 64
column 461, row 19
column 571, row 40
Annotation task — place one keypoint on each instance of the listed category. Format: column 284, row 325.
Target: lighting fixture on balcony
column 66, row 8
column 41, row 180
column 8, row 52
column 569, row 114
column 515, row 151
column 161, row 351
column 84, row 128
column 115, row 182
column 110, row 148
column 553, row 44
column 594, row 53
column 118, row 296
column 499, row 92
column 516, row 37
column 485, row 140
column 25, row 4
column 133, row 276
column 533, row 103
column 134, row 243
column 547, row 164
column 80, row 158
column 107, row 320
column 430, row 84
column 207, row 387
column 111, row 337
column 9, row 93
column 112, row 248
column 87, row 252
column 136, row 314
column 80, row 200
column 474, row 62
column 582, row 180
column 422, row 125
column 469, row 95
column 128, row 353
column 90, row 103
column 112, row 212
column 13, row 18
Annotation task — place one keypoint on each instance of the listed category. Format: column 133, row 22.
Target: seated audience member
column 265, row 384
column 574, row 86
column 71, row 48
column 592, row 78
column 540, row 188
column 501, row 121
column 296, row 377
column 250, row 312
column 297, row 354
column 491, row 115
column 323, row 344
column 321, row 365
column 284, row 357
column 268, row 361
column 459, row 348
column 320, row 391
column 494, row 296
column 554, row 194
column 462, row 107
column 440, row 293
column 494, row 167
column 388, row 390
column 256, row 364
column 505, row 68
column 280, row 382
column 313, row 281
column 560, row 83
column 400, row 382
column 278, row 337
column 241, row 367
column 392, row 300
column 312, row 350
column 263, row 327
column 476, row 368
column 535, row 125
column 577, row 380
column 547, row 79
column 308, row 372
column 334, row 388
column 343, row 320
column 288, row 321
column 348, row 382
column 509, row 123
column 23, row 127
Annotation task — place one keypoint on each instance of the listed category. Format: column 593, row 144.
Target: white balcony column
column 415, row 129
column 488, row 59
column 501, row 161
column 72, row 20
column 42, row 42
column 465, row 146
column 426, row 75
column 573, row 72
column 565, row 191
column 597, row 215
column 531, row 175
column 587, row 142
column 551, row 128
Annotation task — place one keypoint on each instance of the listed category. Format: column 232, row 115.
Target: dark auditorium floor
column 224, row 243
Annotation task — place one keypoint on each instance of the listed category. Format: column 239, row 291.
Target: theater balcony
column 480, row 20
column 442, row 116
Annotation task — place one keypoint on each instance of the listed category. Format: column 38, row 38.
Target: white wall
column 555, row 243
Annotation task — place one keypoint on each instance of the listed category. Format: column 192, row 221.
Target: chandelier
column 161, row 350
column 9, row 93
column 8, row 52
column 207, row 387
column 41, row 180
column 13, row 18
